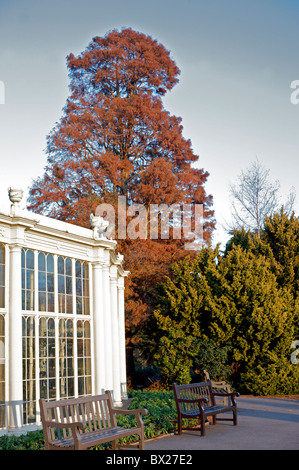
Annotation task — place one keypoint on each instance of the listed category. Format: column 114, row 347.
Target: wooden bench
column 197, row 400
column 81, row 423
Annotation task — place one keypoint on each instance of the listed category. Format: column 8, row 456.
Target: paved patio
column 263, row 424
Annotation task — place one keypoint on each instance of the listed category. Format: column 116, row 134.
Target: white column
column 107, row 328
column 15, row 339
column 122, row 336
column 115, row 336
column 98, row 321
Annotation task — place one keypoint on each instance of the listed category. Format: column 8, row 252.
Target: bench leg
column 202, row 425
column 235, row 417
column 179, row 424
column 114, row 445
column 141, row 442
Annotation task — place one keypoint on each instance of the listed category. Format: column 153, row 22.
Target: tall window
column 56, row 344
column 29, row 395
column 27, row 280
column 45, row 282
column 84, row 357
column 2, row 371
column 2, row 276
column 82, row 288
column 47, row 358
column 65, row 290
column 66, row 359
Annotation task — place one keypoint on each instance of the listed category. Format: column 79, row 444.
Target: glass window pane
column 61, row 284
column 79, row 306
column 50, row 264
column 85, row 287
column 41, row 262
column 78, row 268
column 80, row 367
column 88, row 385
column 69, row 326
column 80, row 347
column 68, row 285
column 68, row 267
column 42, row 281
column 81, row 385
column 69, row 304
column 86, row 306
column 79, row 329
column 42, row 302
column 51, row 367
column 61, row 303
column 78, row 287
column 60, row 265
column 51, row 327
column 52, row 388
column 42, row 327
column 50, row 282
column 87, row 349
column 29, row 279
column 51, row 347
column 50, row 302
column 30, row 259
column 69, row 345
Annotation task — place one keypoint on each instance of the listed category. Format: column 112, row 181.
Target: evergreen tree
column 235, row 304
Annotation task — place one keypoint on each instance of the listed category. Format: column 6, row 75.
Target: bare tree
column 255, row 197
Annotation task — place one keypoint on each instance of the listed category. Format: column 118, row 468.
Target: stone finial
column 15, row 197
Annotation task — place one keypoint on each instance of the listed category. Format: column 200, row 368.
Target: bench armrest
column 76, row 426
column 136, row 412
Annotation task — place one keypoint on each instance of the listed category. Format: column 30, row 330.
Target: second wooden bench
column 197, row 400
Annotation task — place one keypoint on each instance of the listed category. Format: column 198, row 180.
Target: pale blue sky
column 237, row 60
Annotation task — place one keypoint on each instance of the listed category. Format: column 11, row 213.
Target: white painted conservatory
column 62, row 325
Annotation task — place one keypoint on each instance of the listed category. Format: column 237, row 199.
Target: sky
column 237, row 61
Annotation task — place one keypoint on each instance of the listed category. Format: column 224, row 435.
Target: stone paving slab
column 263, row 424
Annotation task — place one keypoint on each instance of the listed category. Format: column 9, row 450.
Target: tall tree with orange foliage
column 116, row 139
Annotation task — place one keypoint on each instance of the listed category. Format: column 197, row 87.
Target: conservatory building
column 62, row 325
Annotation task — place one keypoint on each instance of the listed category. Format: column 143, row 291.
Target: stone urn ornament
column 15, row 197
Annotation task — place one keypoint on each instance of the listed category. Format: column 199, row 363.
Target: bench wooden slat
column 80, row 423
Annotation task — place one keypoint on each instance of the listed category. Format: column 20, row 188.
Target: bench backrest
column 191, row 392
column 92, row 410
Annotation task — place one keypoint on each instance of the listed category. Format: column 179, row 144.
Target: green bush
column 33, row 440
